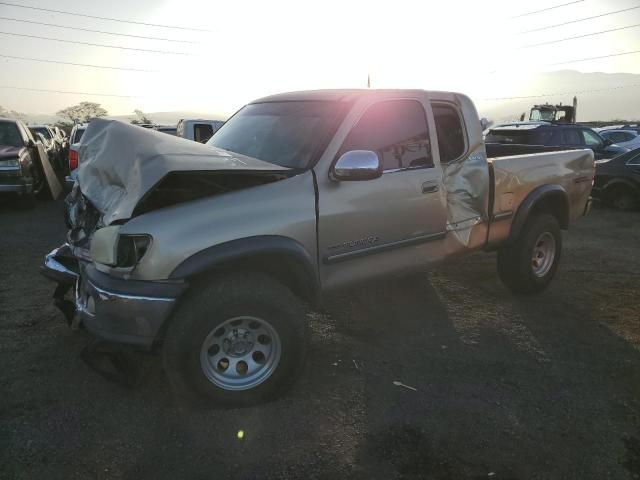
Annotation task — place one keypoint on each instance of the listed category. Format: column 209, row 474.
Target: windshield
column 285, row 133
column 546, row 115
column 9, row 135
column 42, row 130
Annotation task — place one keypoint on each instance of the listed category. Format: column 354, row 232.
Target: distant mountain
column 601, row 96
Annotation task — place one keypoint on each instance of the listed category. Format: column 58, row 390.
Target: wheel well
column 617, row 188
column 555, row 204
column 284, row 268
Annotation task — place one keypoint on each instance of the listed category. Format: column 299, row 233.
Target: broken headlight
column 109, row 247
column 131, row 248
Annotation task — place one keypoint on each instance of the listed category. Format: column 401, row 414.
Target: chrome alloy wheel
column 241, row 353
column 543, row 255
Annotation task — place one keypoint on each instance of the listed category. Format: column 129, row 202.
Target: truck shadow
column 478, row 401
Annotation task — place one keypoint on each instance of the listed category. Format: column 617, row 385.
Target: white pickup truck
column 207, row 254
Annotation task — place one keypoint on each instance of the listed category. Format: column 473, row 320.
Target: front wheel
column 237, row 341
column 530, row 262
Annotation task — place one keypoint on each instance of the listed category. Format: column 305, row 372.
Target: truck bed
column 515, row 177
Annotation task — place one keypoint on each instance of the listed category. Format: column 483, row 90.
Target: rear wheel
column 529, row 263
column 237, row 341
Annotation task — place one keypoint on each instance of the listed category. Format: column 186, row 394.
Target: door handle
column 430, row 187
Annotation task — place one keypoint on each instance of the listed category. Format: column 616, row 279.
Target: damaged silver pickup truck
column 208, row 254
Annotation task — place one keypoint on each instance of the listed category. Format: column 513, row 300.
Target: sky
column 241, row 50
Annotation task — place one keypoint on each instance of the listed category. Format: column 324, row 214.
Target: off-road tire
column 515, row 263
column 206, row 307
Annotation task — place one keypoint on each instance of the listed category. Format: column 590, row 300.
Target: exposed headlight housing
column 131, row 249
column 109, row 247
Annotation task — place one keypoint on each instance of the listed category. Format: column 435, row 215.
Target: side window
column 450, row 132
column 571, row 136
column 613, row 136
column 591, row 138
column 627, row 136
column 635, row 160
column 397, row 131
column 202, row 132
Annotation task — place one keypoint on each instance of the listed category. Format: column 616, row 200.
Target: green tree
column 142, row 118
column 82, row 112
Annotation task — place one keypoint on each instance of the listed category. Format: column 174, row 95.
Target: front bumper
column 125, row 312
column 15, row 185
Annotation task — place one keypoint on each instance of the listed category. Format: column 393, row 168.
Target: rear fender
column 549, row 198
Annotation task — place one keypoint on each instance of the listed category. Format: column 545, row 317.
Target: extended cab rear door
column 380, row 226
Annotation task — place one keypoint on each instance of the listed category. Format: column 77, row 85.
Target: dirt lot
column 507, row 388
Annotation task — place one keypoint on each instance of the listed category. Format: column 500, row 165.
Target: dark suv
column 527, row 137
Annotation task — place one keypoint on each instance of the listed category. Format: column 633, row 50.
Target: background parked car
column 47, row 132
column 21, row 169
column 198, row 130
column 49, row 145
column 168, row 129
column 74, row 142
column 63, row 140
column 617, row 181
column 624, row 138
column 526, row 137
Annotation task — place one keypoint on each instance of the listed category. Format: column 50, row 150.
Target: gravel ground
column 506, row 388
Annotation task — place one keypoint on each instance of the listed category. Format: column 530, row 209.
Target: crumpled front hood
column 7, row 151
column 119, row 163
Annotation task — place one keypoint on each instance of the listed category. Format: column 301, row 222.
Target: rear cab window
column 397, row 131
column 452, row 139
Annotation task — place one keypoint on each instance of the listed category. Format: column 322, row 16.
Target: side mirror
column 357, row 165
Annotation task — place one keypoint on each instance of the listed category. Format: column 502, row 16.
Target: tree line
column 83, row 112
